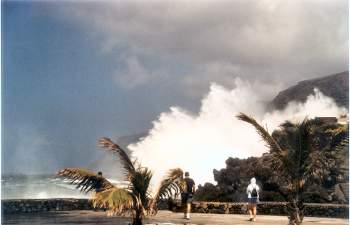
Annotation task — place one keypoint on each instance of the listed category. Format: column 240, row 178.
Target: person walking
column 187, row 195
column 99, row 182
column 253, row 198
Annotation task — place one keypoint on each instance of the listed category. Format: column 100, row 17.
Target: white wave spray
column 199, row 143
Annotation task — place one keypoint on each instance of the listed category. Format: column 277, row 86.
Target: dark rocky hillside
column 335, row 86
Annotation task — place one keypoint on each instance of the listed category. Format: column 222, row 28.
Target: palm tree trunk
column 295, row 212
column 137, row 219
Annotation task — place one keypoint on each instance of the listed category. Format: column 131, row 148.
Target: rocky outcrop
column 335, row 86
column 332, row 188
column 233, row 180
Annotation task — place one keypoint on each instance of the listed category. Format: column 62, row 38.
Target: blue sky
column 74, row 71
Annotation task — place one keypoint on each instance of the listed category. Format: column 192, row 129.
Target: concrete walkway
column 162, row 218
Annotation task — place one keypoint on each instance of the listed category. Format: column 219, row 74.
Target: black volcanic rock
column 335, row 86
column 332, row 188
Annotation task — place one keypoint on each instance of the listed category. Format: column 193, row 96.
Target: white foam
column 198, row 143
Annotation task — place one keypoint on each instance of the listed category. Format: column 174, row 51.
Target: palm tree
column 136, row 199
column 301, row 156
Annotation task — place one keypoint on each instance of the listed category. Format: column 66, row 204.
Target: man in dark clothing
column 187, row 195
column 99, row 182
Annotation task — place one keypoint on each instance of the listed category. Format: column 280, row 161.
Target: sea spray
column 38, row 187
column 316, row 105
column 198, row 143
column 43, row 187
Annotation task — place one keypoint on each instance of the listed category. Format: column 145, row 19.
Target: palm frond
column 269, row 140
column 116, row 200
column 340, row 137
column 139, row 184
column 172, row 183
column 306, row 144
column 109, row 145
column 342, row 155
column 343, row 144
column 85, row 180
column 335, row 154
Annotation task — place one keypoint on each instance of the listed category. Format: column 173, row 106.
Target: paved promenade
column 162, row 218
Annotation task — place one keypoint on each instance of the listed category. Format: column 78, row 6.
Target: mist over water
column 42, row 187
column 200, row 142
column 38, row 187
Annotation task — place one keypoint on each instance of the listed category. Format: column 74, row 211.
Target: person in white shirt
column 253, row 198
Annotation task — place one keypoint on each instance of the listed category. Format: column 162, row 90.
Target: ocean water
column 38, row 187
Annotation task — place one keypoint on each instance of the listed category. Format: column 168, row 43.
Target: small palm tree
column 136, row 198
column 301, row 157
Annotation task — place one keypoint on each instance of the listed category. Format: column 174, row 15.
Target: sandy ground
column 162, row 218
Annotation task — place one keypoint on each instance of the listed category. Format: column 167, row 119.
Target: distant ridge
column 335, row 86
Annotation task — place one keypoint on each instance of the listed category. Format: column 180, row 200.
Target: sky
column 75, row 71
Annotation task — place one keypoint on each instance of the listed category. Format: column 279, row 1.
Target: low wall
column 266, row 208
column 42, row 205
column 270, row 208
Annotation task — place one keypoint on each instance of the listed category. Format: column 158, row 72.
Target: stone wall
column 266, row 208
column 42, row 205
